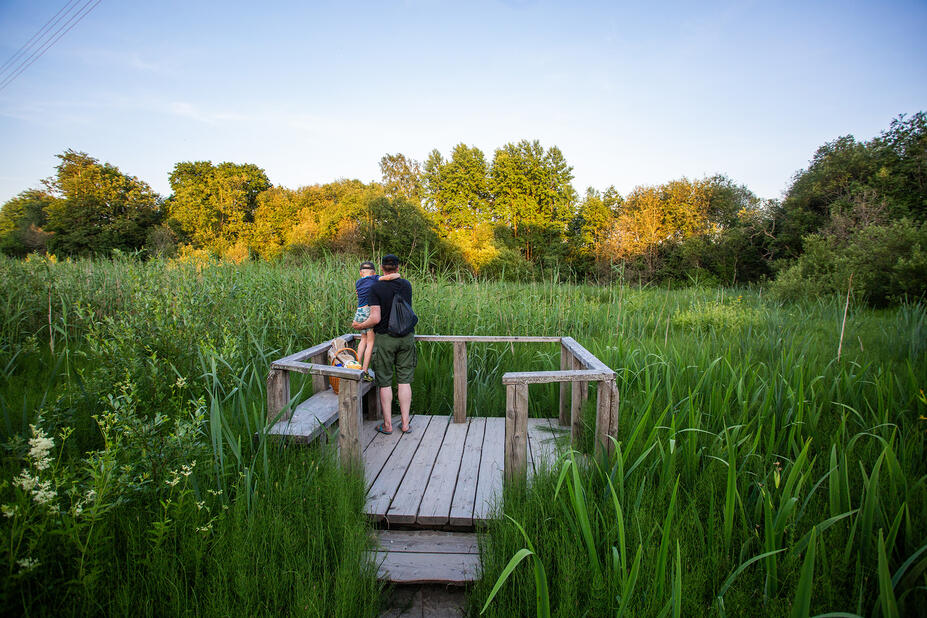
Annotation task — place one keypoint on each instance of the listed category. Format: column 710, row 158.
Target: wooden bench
column 312, row 417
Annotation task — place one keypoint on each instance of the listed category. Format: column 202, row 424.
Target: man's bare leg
column 386, row 403
column 405, row 403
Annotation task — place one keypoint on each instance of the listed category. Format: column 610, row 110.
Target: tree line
column 858, row 209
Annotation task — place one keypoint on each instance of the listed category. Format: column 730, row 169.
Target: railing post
column 319, row 383
column 460, row 381
column 566, row 363
column 278, row 394
column 372, row 404
column 603, row 410
column 576, row 407
column 516, row 432
column 349, row 416
column 613, row 416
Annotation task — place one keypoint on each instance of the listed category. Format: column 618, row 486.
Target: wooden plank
column 349, row 421
column 576, row 407
column 394, row 469
column 613, row 415
column 302, row 355
column 372, row 408
column 460, row 381
column 427, row 541
column 587, row 359
column 309, row 419
column 414, row 568
column 404, row 507
column 354, row 375
column 278, row 395
column 378, row 450
column 465, row 492
column 516, row 432
column 566, row 362
column 542, row 442
column 319, row 382
column 603, row 410
column 545, row 377
column 435, row 509
column 486, row 339
column 489, row 483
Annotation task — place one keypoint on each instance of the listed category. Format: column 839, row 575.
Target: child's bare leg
column 368, row 351
column 362, row 345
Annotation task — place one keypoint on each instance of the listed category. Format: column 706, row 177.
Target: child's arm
column 389, row 277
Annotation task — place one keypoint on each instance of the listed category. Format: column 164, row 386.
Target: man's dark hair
column 390, row 263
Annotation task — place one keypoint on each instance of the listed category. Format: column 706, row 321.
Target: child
column 368, row 276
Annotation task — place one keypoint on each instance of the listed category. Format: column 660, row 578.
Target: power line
column 51, row 22
column 54, row 38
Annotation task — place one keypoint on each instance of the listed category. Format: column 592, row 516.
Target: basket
column 343, row 356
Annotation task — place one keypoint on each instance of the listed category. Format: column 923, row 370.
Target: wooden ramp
column 310, row 418
column 444, row 474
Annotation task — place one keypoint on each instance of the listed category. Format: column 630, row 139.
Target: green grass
column 755, row 473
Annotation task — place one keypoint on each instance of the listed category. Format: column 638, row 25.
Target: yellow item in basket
column 352, row 365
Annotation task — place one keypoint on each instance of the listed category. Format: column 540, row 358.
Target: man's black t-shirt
column 382, row 294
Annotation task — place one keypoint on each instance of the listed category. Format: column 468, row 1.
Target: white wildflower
column 213, row 492
column 27, row 564
column 43, row 493
column 175, row 478
column 25, row 480
column 8, row 511
column 181, row 382
column 41, row 445
column 205, row 528
column 53, row 509
column 77, row 509
column 90, row 495
column 200, row 505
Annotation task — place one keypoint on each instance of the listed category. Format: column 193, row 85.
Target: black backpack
column 402, row 319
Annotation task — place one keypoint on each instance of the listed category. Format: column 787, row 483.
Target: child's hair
column 368, row 266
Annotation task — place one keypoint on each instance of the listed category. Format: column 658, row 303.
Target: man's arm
column 370, row 322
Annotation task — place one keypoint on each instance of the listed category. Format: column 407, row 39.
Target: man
column 391, row 353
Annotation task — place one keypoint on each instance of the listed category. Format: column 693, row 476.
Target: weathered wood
column 542, row 442
column 603, row 411
column 384, row 487
column 309, row 419
column 586, row 358
column 545, row 377
column 378, row 451
column 486, row 339
column 516, row 431
column 465, row 493
column 349, row 420
column 427, row 541
column 278, row 395
column 319, row 382
column 404, row 507
column 566, row 363
column 427, row 568
column 460, row 381
column 489, row 483
column 576, row 407
column 613, row 413
column 435, row 509
column 325, row 370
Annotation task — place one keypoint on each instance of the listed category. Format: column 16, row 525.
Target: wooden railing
column 578, row 369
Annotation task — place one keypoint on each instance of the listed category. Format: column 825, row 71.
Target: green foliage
column 22, row 220
column 888, row 263
column 99, row 208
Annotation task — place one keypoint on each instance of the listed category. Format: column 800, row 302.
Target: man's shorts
column 362, row 314
column 394, row 352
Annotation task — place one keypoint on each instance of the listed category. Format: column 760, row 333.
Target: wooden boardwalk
column 445, row 474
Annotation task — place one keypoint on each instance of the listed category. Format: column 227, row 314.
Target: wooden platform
column 445, row 474
column 426, row 557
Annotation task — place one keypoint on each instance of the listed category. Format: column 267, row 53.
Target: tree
column 98, row 208
column 402, row 177
column 531, row 188
column 215, row 204
column 22, row 220
column 456, row 192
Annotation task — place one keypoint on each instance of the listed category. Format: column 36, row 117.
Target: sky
column 633, row 93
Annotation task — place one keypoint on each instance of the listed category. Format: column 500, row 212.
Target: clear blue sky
column 632, row 93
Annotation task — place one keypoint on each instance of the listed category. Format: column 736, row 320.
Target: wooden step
column 313, row 416
column 426, row 557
